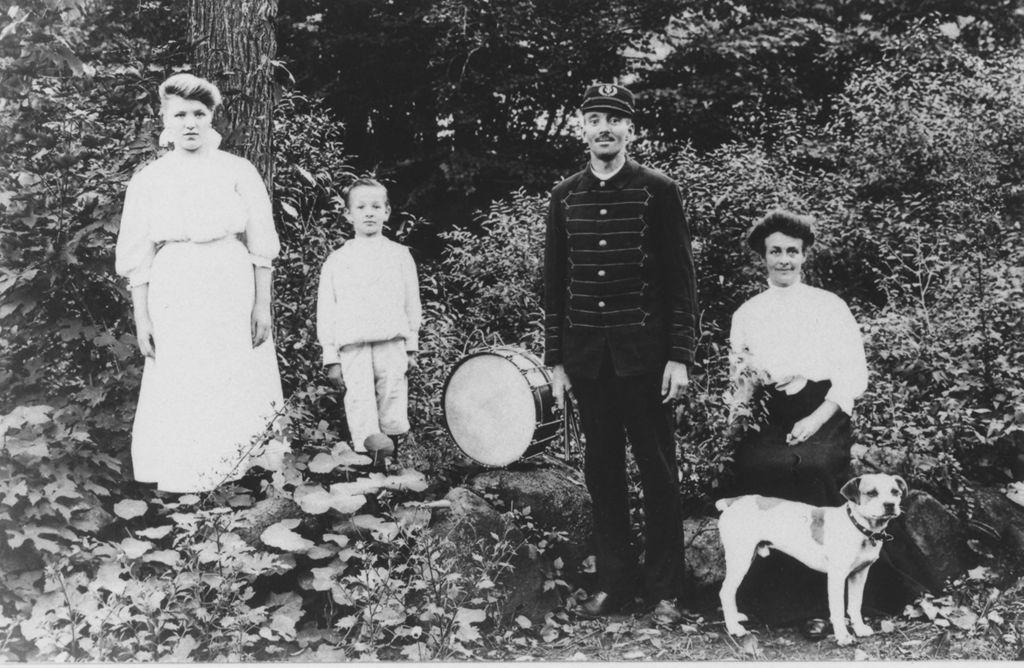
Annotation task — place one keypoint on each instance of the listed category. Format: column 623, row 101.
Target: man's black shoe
column 598, row 605
column 815, row 629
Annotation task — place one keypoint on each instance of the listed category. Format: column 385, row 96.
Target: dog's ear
column 851, row 490
column 902, row 484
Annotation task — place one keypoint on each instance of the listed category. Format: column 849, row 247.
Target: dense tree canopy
column 462, row 101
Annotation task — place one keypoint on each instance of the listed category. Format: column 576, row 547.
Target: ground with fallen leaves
column 980, row 619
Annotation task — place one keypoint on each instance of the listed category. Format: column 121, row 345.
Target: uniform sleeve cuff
column 552, row 359
column 682, row 356
column 331, row 356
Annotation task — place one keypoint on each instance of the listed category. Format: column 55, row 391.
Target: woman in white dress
column 196, row 243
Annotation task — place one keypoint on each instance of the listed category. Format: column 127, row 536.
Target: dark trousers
column 778, row 589
column 610, row 408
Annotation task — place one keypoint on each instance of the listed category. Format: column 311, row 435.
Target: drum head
column 490, row 410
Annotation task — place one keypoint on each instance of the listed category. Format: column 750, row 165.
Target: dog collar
column 873, row 535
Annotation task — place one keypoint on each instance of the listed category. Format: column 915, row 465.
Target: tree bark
column 233, row 45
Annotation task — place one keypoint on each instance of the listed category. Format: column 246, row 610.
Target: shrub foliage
column 915, row 181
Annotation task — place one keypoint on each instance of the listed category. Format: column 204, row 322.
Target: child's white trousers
column 376, row 389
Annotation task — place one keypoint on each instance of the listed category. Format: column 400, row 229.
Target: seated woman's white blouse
column 803, row 331
column 198, row 199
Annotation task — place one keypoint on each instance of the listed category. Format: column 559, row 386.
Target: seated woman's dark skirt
column 778, row 589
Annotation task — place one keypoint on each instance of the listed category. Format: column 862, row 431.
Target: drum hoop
column 477, row 352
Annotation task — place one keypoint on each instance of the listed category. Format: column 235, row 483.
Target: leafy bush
column 931, row 144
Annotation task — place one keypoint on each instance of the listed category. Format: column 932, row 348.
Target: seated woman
column 805, row 346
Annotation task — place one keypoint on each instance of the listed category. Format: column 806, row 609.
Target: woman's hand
column 810, row 425
column 144, row 335
column 334, row 377
column 413, row 362
column 261, row 321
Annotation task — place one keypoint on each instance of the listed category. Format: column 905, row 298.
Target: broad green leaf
column 469, row 616
column 130, row 508
column 316, row 500
column 108, row 577
column 169, row 557
column 339, row 539
column 155, row 533
column 323, row 578
column 183, row 649
column 282, row 537
column 133, row 548
column 382, row 530
column 417, row 652
column 285, row 618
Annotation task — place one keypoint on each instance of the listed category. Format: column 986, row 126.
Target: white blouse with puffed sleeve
column 803, row 331
column 197, row 199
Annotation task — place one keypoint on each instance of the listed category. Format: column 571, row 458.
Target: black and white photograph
column 553, row 331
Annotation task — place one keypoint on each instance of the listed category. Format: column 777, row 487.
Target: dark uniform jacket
column 618, row 274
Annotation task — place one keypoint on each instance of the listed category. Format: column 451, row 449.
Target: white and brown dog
column 842, row 542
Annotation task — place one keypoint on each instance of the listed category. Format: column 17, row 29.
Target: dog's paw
column 862, row 630
column 740, row 617
column 844, row 640
column 735, row 628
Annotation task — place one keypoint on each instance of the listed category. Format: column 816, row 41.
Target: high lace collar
column 788, row 292
column 376, row 239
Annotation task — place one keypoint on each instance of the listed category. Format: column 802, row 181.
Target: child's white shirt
column 368, row 292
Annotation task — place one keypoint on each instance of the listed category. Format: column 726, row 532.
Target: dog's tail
column 722, row 504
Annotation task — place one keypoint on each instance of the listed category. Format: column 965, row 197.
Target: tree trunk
column 233, row 44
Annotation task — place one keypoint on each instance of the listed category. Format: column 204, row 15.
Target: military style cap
column 610, row 98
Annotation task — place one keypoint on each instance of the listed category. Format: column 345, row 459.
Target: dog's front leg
column 836, row 591
column 855, row 588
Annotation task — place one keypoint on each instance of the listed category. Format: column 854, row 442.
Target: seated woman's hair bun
column 779, row 220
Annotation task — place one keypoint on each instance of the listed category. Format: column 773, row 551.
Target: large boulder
column 558, row 501
column 556, row 496
column 468, row 518
column 1003, row 518
column 469, row 523
column 939, row 535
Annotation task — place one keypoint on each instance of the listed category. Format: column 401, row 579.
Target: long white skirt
column 208, row 395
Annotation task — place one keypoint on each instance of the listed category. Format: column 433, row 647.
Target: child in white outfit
column 368, row 318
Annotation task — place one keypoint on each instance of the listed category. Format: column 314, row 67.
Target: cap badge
column 607, row 90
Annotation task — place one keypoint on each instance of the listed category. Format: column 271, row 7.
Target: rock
column 469, row 518
column 1006, row 519
column 939, row 535
column 705, row 558
column 557, row 501
column 264, row 513
column 470, row 525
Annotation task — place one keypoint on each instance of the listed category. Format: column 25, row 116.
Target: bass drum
column 499, row 407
